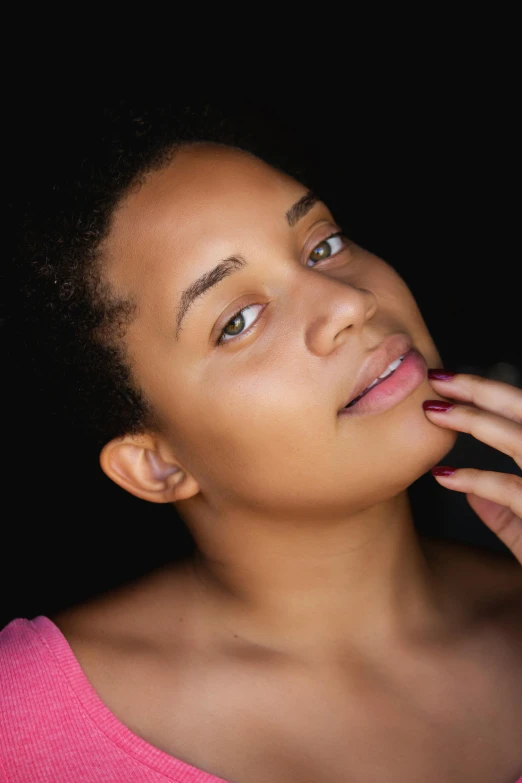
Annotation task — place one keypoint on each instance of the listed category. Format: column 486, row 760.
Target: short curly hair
column 71, row 321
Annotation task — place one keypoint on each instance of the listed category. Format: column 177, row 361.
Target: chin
column 422, row 445
column 436, row 447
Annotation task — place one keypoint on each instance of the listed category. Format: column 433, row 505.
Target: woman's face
column 254, row 420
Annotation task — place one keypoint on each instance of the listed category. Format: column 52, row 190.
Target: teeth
column 391, row 367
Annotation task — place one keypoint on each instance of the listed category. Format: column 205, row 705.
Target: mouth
column 390, row 369
column 397, row 381
column 382, row 362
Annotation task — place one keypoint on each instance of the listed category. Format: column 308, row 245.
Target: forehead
column 208, row 194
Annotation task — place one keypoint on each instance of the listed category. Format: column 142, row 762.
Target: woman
column 277, row 385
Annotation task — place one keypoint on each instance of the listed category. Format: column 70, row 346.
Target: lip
column 400, row 384
column 387, row 352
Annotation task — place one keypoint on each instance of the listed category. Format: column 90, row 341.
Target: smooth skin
column 314, row 636
column 491, row 412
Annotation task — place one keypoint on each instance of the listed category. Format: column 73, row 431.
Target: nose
column 344, row 307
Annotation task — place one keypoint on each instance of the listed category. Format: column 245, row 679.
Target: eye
column 236, row 322
column 328, row 247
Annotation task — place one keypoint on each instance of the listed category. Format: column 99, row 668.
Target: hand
column 492, row 413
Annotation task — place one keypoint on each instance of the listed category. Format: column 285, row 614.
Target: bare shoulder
column 131, row 612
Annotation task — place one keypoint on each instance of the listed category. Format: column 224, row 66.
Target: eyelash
column 226, row 339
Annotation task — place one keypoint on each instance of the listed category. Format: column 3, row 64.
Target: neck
column 356, row 582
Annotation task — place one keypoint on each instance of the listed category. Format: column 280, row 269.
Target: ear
column 143, row 466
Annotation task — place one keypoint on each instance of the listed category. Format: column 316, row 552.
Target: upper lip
column 386, row 352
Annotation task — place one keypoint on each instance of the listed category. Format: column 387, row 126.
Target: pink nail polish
column 443, row 470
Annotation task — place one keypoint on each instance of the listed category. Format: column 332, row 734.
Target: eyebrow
column 232, row 264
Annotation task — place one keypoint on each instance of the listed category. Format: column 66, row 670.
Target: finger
column 504, row 514
column 501, row 521
column 495, row 396
column 490, row 428
column 485, row 509
column 502, row 488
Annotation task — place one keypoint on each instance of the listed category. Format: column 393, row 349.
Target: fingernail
column 437, row 405
column 441, row 375
column 443, row 470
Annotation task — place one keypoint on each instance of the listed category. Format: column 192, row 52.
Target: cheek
column 396, row 302
column 391, row 290
column 258, row 428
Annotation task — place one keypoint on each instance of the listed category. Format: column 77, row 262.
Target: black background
column 426, row 178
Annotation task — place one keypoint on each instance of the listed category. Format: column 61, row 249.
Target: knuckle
column 473, row 475
column 475, row 385
column 470, row 475
column 513, row 485
column 478, row 382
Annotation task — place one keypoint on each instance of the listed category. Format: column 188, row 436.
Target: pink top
column 54, row 727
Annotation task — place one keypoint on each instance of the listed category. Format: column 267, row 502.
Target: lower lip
column 411, row 372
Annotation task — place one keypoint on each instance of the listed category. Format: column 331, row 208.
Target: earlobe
column 135, row 463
